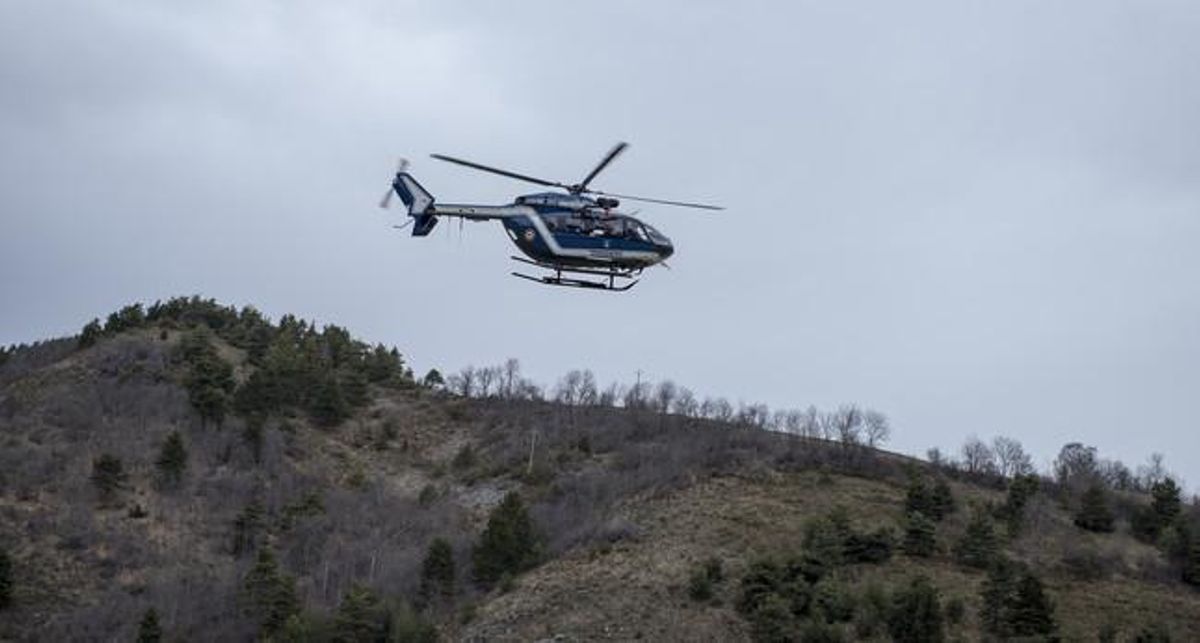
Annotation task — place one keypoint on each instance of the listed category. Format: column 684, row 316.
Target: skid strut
column 608, row 282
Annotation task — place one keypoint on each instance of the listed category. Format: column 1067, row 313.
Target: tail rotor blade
column 387, row 199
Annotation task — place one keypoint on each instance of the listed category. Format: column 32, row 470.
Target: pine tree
column 1015, row 604
column 328, row 406
column 1191, row 559
column 149, row 631
column 172, row 460
column 246, row 528
column 978, row 546
column 920, row 535
column 437, row 572
column 108, row 476
column 6, row 580
column 253, row 435
column 433, row 379
column 1020, row 490
column 1094, row 514
column 916, row 614
column 933, row 499
column 360, row 617
column 942, row 499
column 509, row 545
column 1030, row 612
column 90, row 333
column 209, row 379
column 268, row 595
column 1166, row 503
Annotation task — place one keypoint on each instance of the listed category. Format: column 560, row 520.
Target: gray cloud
column 979, row 218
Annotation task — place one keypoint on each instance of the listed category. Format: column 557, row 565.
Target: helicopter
column 578, row 233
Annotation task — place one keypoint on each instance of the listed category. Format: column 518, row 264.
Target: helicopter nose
column 666, row 250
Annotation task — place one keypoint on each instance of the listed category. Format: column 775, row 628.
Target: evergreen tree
column 509, row 544
column 942, row 499
column 437, row 572
column 433, row 379
column 328, row 406
column 90, row 333
column 1191, row 559
column 920, row 536
column 354, row 388
column 253, row 435
column 916, row 615
column 108, row 476
column 933, row 499
column 994, row 594
column 360, row 618
column 247, row 527
column 825, row 537
column 1030, row 612
column 1094, row 514
column 1020, row 490
column 268, row 595
column 149, row 631
column 209, row 379
column 6, row 580
column 978, row 546
column 1015, row 604
column 1166, row 503
column 172, row 460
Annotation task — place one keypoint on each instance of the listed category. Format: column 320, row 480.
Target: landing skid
column 557, row 279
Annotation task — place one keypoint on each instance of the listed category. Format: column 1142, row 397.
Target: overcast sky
column 978, row 217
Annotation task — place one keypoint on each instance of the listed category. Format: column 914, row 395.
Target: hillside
column 317, row 464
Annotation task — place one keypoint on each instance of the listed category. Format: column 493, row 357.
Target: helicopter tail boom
column 419, row 202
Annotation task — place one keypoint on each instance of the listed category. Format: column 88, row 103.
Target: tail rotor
column 401, row 165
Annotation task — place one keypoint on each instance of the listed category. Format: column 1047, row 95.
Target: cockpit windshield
column 657, row 237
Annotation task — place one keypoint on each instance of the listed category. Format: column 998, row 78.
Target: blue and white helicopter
column 578, row 232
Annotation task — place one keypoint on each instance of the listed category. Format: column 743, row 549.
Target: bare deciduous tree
column 510, row 378
column 485, row 377
column 1011, row 459
column 685, row 403
column 664, row 396
column 567, row 391
column 876, row 428
column 978, row 457
column 587, row 389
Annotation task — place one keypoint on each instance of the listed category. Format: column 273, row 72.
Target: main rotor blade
column 608, row 158
column 511, row 175
column 682, row 204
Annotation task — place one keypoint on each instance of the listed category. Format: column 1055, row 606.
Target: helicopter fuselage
column 579, row 233
column 566, row 230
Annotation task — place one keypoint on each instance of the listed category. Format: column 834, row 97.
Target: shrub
column 149, row 631
column 360, row 617
column 916, row 614
column 1094, row 514
column 834, row 601
column 406, row 625
column 6, row 580
column 869, row 547
column 172, row 460
column 704, row 578
column 108, row 476
column 247, row 528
